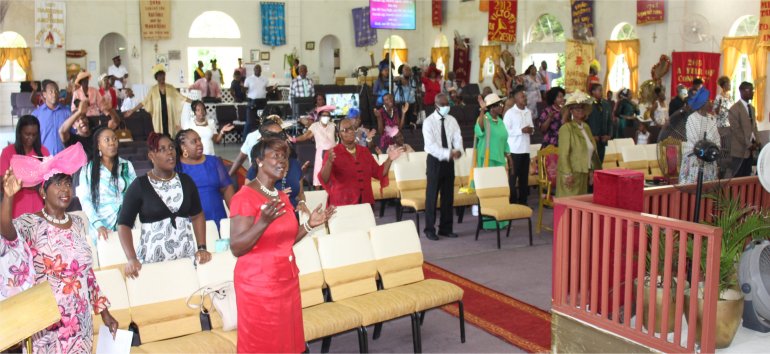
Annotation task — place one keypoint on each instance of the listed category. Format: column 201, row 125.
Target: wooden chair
column 411, row 181
column 670, row 158
column 493, row 191
column 547, row 174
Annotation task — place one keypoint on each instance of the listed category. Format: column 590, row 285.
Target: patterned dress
column 63, row 258
column 551, row 136
column 697, row 125
column 723, row 103
column 160, row 240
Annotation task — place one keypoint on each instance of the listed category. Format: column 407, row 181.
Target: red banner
column 502, row 21
column 462, row 62
column 436, row 12
column 764, row 23
column 688, row 66
column 649, row 11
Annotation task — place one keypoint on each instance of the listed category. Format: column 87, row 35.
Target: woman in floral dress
column 51, row 245
column 388, row 118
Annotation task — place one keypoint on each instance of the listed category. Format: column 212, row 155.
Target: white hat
column 492, row 99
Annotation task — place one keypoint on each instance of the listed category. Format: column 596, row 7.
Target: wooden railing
column 604, row 257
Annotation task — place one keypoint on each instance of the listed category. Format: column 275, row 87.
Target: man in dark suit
column 743, row 131
column 600, row 119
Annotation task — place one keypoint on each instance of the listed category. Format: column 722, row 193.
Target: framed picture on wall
column 254, row 55
column 309, row 45
column 264, row 56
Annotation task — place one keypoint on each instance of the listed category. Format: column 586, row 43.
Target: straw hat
column 578, row 98
column 82, row 75
column 492, row 99
column 158, row 68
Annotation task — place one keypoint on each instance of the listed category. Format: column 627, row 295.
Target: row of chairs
column 357, row 278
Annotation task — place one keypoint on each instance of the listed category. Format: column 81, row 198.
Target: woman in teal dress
column 626, row 114
column 491, row 132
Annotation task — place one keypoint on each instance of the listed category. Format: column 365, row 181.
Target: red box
column 619, row 188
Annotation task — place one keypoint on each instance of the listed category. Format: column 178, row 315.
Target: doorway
column 112, row 44
column 327, row 61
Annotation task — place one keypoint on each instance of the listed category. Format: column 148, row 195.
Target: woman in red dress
column 263, row 231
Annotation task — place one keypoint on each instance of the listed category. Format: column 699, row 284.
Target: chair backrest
column 224, row 228
column 463, row 168
column 109, row 251
column 218, row 270
column 633, row 157
column 348, row 264
column 534, row 149
column 548, row 160
column 212, row 235
column 651, row 153
column 352, row 217
column 113, row 286
column 623, row 142
column 410, row 175
column 420, row 156
column 397, row 250
column 311, row 277
column 670, row 152
column 314, row 198
column 491, row 182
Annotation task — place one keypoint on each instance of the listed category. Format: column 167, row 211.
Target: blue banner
column 365, row 35
column 273, row 23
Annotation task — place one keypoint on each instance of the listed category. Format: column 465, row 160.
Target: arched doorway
column 545, row 43
column 327, row 64
column 112, row 44
column 398, row 46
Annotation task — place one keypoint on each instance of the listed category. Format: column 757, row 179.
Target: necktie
column 444, row 143
column 751, row 112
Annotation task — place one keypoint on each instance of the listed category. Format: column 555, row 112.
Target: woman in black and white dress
column 169, row 208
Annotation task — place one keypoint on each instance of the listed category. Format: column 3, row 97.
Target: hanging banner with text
column 502, row 21
column 436, row 6
column 649, row 11
column 764, row 23
column 50, row 18
column 155, row 17
column 582, row 19
column 690, row 65
column 578, row 58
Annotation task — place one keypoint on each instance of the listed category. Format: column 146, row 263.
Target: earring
column 100, row 153
column 43, row 196
column 185, row 154
column 260, row 164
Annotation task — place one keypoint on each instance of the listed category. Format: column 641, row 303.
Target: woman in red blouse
column 348, row 169
column 432, row 86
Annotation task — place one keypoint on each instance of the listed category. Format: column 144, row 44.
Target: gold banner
column 579, row 56
column 155, row 16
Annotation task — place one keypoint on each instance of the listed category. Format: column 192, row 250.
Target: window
column 214, row 24
column 620, row 75
column 745, row 26
column 440, row 41
column 742, row 73
column 489, row 68
column 227, row 60
column 399, row 46
column 440, row 65
column 546, row 29
column 12, row 71
column 623, row 31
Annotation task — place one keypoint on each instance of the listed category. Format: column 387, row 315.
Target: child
column 642, row 135
column 128, row 102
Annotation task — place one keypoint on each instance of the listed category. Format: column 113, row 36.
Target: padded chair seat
column 200, row 342
column 463, row 199
column 414, row 199
column 502, row 210
column 164, row 320
column 329, row 318
column 430, row 293
column 380, row 306
column 231, row 336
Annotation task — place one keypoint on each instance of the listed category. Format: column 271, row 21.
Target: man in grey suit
column 743, row 131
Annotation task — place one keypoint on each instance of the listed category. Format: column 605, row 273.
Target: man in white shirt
column 119, row 72
column 518, row 122
column 129, row 102
column 444, row 144
column 257, row 90
column 544, row 77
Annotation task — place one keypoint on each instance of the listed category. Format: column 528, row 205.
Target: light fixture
column 134, row 52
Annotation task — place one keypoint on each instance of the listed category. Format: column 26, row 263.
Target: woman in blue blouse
column 207, row 171
column 103, row 183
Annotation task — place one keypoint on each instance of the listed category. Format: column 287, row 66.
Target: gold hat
column 158, row 68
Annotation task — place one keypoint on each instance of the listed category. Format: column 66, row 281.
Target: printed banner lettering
column 502, row 21
column 579, row 56
column 273, row 23
column 436, row 12
column 690, row 65
column 155, row 18
column 649, row 11
column 365, row 35
column 50, row 18
column 582, row 19
column 764, row 23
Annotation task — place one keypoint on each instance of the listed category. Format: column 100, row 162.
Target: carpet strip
column 502, row 316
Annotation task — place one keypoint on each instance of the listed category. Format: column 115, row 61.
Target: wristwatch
column 202, row 247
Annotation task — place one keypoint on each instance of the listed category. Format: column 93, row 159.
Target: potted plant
column 739, row 225
column 660, row 299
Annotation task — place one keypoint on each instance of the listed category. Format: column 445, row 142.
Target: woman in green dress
column 491, row 132
column 626, row 114
column 578, row 157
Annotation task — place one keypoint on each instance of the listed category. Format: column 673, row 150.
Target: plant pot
column 659, row 301
column 728, row 318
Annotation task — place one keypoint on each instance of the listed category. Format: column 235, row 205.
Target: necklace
column 205, row 123
column 351, row 150
column 53, row 220
column 155, row 176
column 270, row 193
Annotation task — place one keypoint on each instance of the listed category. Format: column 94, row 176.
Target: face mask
column 682, row 92
column 324, row 120
column 443, row 110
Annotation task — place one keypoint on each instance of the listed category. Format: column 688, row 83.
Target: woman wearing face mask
column 323, row 132
column 206, row 129
column 27, row 143
column 50, row 246
column 169, row 208
column 103, row 183
column 207, row 171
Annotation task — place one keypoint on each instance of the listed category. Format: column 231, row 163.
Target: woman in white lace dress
column 701, row 122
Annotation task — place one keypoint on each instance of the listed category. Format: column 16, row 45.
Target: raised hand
column 271, row 211
column 394, row 153
column 12, row 184
column 319, row 216
column 482, row 104
column 227, row 128
column 371, row 133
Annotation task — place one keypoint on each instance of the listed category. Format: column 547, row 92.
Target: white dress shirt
column 257, row 86
column 746, row 105
column 431, row 133
column 118, row 72
column 248, row 143
column 515, row 120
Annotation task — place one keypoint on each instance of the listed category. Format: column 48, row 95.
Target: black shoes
column 450, row 235
column 431, row 236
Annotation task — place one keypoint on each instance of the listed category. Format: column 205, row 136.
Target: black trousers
column 518, row 181
column 441, row 177
column 744, row 169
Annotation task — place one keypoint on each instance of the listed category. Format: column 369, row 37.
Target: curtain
column 273, row 23
column 488, row 51
column 732, row 49
column 23, row 56
column 630, row 49
column 402, row 54
column 440, row 52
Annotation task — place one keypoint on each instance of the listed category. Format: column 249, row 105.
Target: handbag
column 123, row 133
column 223, row 298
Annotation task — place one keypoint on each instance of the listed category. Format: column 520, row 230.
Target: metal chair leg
column 540, row 217
column 497, row 226
column 362, row 340
column 422, row 317
column 377, row 331
column 366, row 339
column 399, row 212
column 462, row 321
column 326, row 342
column 416, row 339
column 508, row 232
column 383, row 204
column 478, row 227
column 529, row 221
column 417, row 217
column 460, row 214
